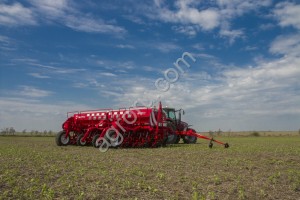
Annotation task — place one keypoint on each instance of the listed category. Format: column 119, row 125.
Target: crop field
column 252, row 168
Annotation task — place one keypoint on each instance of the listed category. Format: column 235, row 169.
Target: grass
column 252, row 168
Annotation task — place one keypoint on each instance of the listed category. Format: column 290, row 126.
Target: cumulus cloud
column 233, row 8
column 206, row 19
column 192, row 16
column 288, row 14
column 286, row 44
column 16, row 15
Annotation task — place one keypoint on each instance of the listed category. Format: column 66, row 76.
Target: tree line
column 12, row 131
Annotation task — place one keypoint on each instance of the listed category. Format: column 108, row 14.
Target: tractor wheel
column 172, row 137
column 94, row 141
column 177, row 140
column 79, row 142
column 61, row 139
column 189, row 139
column 113, row 134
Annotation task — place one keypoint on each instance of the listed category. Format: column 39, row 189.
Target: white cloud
column 33, row 92
column 231, row 34
column 187, row 30
column 267, row 26
column 166, row 47
column 37, row 75
column 286, row 44
column 57, row 70
column 60, row 12
column 198, row 46
column 151, row 69
column 233, row 8
column 107, row 74
column 5, row 40
column 125, row 46
column 51, row 8
column 16, row 15
column 288, row 14
column 206, row 19
column 193, row 16
column 87, row 24
column 7, row 44
column 250, row 48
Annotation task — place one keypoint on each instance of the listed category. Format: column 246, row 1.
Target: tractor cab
column 170, row 113
column 173, row 115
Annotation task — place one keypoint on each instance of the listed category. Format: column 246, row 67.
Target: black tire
column 178, row 139
column 79, row 142
column 61, row 140
column 189, row 139
column 113, row 134
column 94, row 141
column 172, row 137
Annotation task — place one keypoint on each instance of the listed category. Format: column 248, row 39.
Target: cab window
column 171, row 114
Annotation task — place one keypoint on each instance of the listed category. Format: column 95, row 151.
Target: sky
column 58, row 56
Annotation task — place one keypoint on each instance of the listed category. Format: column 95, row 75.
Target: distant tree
column 24, row 131
column 299, row 131
column 219, row 132
column 45, row 132
column 211, row 133
column 255, row 134
column 36, row 132
column 229, row 132
column 12, row 131
column 3, row 132
column 50, row 132
column 6, row 130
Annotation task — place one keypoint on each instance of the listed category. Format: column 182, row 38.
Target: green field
column 252, row 168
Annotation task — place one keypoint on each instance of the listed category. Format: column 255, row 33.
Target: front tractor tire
column 79, row 140
column 61, row 139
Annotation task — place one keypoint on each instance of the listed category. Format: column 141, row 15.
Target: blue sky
column 65, row 55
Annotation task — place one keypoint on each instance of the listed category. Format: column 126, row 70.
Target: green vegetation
column 252, row 168
column 255, row 134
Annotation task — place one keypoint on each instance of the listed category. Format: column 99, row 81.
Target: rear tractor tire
column 61, row 139
column 172, row 137
column 178, row 139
